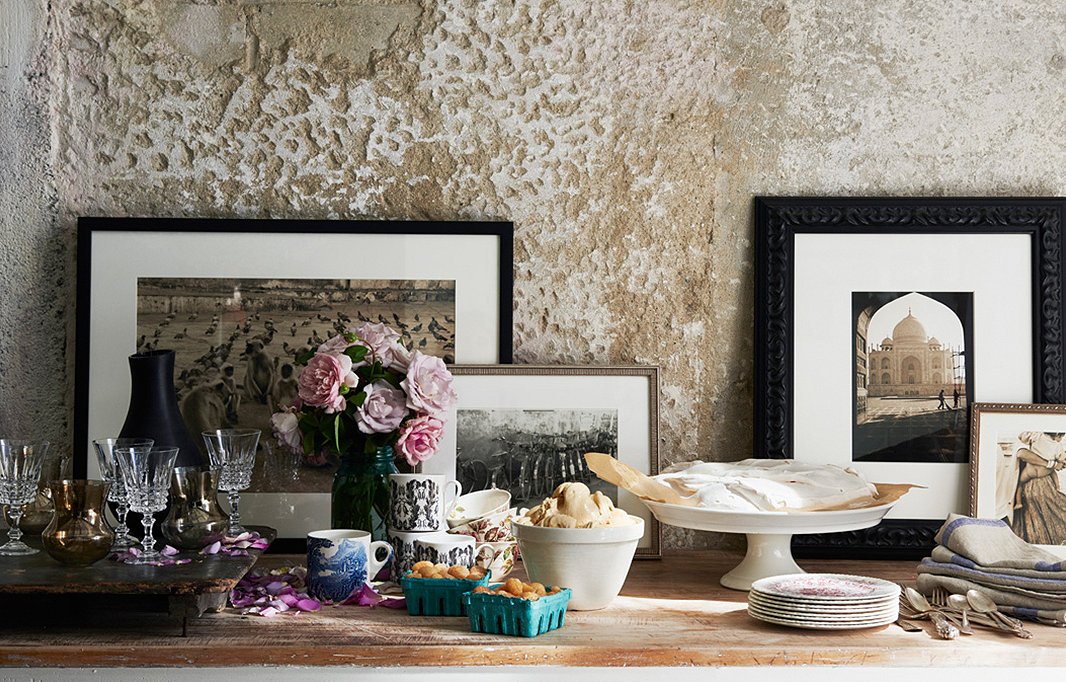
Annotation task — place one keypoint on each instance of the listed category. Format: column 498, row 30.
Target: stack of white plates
column 824, row 601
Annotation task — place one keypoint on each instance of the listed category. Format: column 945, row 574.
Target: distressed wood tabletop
column 671, row 612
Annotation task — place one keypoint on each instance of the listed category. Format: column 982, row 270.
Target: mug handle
column 477, row 553
column 373, row 566
column 452, row 490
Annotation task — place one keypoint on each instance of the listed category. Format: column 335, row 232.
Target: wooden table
column 670, row 613
column 51, row 591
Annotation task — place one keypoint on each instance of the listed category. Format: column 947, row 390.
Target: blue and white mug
column 340, row 561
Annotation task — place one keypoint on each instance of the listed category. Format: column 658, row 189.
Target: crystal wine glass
column 146, row 473
column 20, row 471
column 233, row 451
column 109, row 471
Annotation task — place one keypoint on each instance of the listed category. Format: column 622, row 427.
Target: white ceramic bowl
column 592, row 562
column 475, row 505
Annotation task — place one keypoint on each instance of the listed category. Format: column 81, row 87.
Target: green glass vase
column 360, row 497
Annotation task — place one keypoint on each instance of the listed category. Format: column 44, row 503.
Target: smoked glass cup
column 146, row 472
column 20, row 472
column 109, row 471
column 233, row 451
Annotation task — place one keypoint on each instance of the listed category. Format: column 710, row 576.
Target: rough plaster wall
column 624, row 139
column 34, row 256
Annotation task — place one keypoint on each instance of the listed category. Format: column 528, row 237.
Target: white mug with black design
column 450, row 550
column 403, row 548
column 420, row 502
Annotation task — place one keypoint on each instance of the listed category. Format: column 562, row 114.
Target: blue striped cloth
column 985, row 555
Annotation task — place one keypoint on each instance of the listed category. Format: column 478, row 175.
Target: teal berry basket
column 437, row 596
column 497, row 615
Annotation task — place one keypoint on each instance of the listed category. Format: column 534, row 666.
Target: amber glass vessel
column 78, row 534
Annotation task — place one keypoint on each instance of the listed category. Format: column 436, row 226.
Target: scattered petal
column 308, row 605
column 169, row 551
column 212, row 548
column 268, row 612
column 394, row 603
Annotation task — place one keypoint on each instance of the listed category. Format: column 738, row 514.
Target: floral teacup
column 501, row 561
column 494, row 527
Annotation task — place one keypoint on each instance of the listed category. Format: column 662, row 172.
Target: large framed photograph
column 239, row 300
column 526, row 429
column 1018, row 457
column 880, row 321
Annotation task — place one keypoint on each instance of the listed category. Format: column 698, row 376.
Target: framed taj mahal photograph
column 911, row 378
column 881, row 321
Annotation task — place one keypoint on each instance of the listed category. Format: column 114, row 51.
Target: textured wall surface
column 624, row 139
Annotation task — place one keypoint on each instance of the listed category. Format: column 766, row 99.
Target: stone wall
column 625, row 140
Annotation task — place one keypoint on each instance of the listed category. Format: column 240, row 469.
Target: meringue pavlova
column 768, row 485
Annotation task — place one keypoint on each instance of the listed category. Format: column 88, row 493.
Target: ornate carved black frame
column 779, row 219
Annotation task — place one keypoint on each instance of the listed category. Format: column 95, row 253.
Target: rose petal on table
column 308, row 605
column 212, row 548
column 364, row 596
column 268, row 612
column 393, row 603
column 169, row 551
column 289, row 599
column 275, row 587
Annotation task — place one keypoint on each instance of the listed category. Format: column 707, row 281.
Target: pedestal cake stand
column 769, row 533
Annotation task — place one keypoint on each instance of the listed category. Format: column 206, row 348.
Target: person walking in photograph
column 943, row 403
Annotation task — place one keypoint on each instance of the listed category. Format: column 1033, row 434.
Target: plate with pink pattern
column 827, row 587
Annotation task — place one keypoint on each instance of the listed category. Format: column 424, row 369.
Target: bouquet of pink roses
column 365, row 388
column 361, row 394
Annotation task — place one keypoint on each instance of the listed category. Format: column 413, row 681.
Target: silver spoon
column 982, row 603
column 958, row 601
column 945, row 628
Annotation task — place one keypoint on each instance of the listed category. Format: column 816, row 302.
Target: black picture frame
column 777, row 222
column 90, row 226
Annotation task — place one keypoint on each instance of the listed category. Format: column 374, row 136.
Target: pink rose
column 321, row 381
column 383, row 409
column 401, row 358
column 420, row 438
column 428, row 385
column 336, row 345
column 381, row 340
column 287, row 430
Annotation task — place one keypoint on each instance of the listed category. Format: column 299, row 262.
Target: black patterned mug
column 403, row 549
column 419, row 502
column 450, row 550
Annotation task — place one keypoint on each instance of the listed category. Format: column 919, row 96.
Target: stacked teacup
column 418, row 506
column 485, row 517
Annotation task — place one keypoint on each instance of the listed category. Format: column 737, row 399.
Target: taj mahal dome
column 910, row 363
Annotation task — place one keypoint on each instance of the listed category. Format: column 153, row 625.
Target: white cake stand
column 769, row 533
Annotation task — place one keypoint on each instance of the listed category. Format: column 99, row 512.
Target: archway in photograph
column 919, row 344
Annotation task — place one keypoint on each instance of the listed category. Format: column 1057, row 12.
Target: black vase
column 154, row 409
column 154, row 414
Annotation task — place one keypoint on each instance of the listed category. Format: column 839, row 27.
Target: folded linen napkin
column 985, row 555
column 992, row 544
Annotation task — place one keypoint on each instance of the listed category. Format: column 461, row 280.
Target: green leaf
column 309, row 443
column 305, row 357
column 357, row 353
column 358, row 399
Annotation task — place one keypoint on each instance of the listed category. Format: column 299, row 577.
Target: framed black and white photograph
column 879, row 322
column 526, row 429
column 1018, row 475
column 239, row 300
